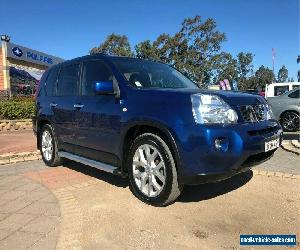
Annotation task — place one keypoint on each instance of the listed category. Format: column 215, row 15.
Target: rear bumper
column 201, row 162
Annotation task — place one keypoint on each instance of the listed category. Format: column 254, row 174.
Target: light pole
column 4, row 40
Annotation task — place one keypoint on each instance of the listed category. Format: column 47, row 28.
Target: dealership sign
column 29, row 55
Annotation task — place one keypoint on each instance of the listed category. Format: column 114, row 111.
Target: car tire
column 290, row 121
column 154, row 182
column 48, row 146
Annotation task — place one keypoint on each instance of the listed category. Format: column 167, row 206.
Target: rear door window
column 68, row 80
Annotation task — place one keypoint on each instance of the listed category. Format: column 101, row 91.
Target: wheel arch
column 157, row 128
column 288, row 110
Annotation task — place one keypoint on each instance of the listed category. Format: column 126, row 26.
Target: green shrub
column 17, row 108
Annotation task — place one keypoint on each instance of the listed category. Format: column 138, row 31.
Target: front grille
column 253, row 113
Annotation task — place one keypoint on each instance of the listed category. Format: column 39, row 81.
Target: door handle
column 53, row 105
column 78, row 106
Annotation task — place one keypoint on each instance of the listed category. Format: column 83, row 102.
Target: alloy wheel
column 149, row 170
column 47, row 147
column 290, row 121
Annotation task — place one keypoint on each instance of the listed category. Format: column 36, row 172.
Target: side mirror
column 104, row 88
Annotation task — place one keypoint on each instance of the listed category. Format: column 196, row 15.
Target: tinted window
column 279, row 90
column 68, row 80
column 295, row 86
column 51, row 82
column 41, row 85
column 95, row 71
column 294, row 94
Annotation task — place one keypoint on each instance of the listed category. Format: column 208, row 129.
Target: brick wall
column 1, row 71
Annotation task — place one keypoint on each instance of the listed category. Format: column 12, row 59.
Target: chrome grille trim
column 253, row 113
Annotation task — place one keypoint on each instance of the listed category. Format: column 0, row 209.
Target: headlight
column 269, row 113
column 212, row 109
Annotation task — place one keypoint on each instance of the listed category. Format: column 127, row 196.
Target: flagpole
column 273, row 59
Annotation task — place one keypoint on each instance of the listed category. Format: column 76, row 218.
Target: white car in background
column 277, row 89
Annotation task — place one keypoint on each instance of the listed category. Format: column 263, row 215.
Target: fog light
column 221, row 144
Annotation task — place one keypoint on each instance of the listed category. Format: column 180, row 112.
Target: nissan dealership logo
column 17, row 51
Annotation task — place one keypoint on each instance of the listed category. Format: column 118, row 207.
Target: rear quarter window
column 41, row 85
column 51, row 82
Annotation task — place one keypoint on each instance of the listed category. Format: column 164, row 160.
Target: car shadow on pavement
column 96, row 173
column 189, row 194
column 212, row 190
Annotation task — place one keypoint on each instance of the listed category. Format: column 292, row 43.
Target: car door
column 98, row 118
column 63, row 105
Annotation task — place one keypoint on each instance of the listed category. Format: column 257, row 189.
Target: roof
column 103, row 55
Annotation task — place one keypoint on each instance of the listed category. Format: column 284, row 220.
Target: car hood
column 233, row 98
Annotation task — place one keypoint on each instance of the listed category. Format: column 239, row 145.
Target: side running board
column 95, row 164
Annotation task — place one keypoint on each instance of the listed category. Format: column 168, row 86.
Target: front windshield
column 148, row 74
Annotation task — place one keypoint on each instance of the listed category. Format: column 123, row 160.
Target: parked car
column 277, row 89
column 255, row 92
column 286, row 109
column 252, row 91
column 145, row 120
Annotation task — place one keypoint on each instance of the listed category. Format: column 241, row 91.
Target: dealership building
column 21, row 68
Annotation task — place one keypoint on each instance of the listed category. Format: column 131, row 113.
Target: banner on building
column 29, row 55
column 24, row 81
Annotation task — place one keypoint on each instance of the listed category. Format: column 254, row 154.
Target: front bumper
column 201, row 162
column 216, row 177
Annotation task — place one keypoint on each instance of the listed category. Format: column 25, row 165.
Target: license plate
column 269, row 145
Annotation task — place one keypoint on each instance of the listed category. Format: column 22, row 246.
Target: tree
column 245, row 70
column 114, row 45
column 193, row 50
column 282, row 74
column 264, row 76
column 226, row 67
column 146, row 50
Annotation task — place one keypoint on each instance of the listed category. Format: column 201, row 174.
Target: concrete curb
column 11, row 158
column 275, row 174
column 290, row 147
column 15, row 125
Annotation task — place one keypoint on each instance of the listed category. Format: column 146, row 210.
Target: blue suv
column 145, row 120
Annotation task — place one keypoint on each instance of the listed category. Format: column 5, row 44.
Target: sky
column 70, row 28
